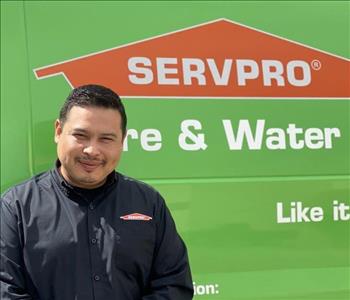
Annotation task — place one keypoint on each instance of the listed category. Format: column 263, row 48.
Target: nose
column 91, row 150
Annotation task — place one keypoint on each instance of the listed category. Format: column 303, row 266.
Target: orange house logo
column 220, row 59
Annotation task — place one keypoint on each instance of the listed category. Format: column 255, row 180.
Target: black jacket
column 56, row 244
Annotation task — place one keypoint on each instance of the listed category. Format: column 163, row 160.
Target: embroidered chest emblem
column 136, row 217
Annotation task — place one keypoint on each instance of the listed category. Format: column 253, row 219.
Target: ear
column 58, row 130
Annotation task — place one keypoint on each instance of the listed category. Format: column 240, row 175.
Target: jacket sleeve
column 171, row 275
column 12, row 269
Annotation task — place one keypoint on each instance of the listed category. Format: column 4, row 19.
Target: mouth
column 89, row 165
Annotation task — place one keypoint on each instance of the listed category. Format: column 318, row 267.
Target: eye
column 107, row 139
column 79, row 135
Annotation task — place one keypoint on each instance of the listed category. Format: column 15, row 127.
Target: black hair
column 96, row 96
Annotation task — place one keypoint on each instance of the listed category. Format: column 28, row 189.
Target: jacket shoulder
column 23, row 190
column 136, row 184
column 139, row 189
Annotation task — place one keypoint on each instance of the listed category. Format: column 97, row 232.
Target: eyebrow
column 79, row 130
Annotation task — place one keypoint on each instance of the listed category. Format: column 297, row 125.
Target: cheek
column 67, row 148
column 114, row 156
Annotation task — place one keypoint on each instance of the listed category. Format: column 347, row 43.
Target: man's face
column 89, row 145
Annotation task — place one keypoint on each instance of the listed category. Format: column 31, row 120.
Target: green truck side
column 225, row 202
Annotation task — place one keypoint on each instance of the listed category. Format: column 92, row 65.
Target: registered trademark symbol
column 316, row 64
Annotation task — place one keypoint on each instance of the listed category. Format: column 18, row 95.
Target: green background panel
column 16, row 135
column 236, row 242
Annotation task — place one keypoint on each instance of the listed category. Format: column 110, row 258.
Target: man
column 83, row 231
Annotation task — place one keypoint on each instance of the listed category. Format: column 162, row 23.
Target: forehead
column 95, row 117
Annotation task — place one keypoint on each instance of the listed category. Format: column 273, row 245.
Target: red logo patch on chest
column 136, row 217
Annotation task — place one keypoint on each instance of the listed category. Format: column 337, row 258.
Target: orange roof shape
column 218, row 59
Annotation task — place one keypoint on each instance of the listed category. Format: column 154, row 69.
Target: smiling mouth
column 89, row 166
